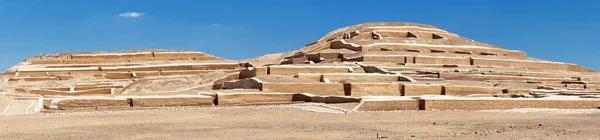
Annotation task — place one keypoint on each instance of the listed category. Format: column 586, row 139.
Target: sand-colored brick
column 387, row 104
column 174, row 100
column 351, row 77
column 142, row 74
column 592, row 87
column 81, row 92
column 575, row 86
column 461, row 90
column 310, row 76
column 314, row 88
column 517, row 91
column 92, row 103
column 361, row 77
column 385, row 58
column 249, row 83
column 261, row 70
column 507, row 103
column 178, row 54
column 334, row 99
column 375, row 89
column 442, row 60
column 528, row 64
column 119, row 75
column 293, row 70
column 421, row 89
column 46, row 61
column 113, row 56
column 253, row 98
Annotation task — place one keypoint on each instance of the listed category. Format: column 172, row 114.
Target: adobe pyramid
column 378, row 66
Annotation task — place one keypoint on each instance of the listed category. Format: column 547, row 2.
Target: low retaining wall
column 590, row 79
column 479, row 77
column 331, row 89
column 421, row 89
column 92, row 103
column 219, row 83
column 442, row 60
column 81, row 92
column 161, row 67
column 36, row 62
column 178, row 54
column 386, row 58
column 506, row 103
column 35, row 79
column 119, row 75
column 120, row 102
column 113, row 56
column 262, row 71
column 142, row 74
column 310, row 76
column 592, row 87
column 374, row 69
column 93, row 61
column 473, row 50
column 293, row 70
column 375, row 89
column 334, row 99
column 467, row 90
column 387, row 104
column 250, row 83
column 360, row 77
column 529, row 64
column 175, row 100
column 189, row 72
column 517, row 91
column 575, row 86
column 228, row 99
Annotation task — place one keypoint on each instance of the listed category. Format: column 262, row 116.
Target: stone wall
column 317, row 89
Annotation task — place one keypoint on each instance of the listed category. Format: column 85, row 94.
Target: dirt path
column 19, row 107
column 281, row 123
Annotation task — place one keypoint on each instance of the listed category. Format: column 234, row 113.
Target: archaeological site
column 378, row 66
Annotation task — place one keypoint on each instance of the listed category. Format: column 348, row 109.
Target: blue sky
column 557, row 30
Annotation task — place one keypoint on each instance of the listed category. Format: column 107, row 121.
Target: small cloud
column 216, row 24
column 131, row 14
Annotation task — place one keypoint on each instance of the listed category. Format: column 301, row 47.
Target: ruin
column 379, row 66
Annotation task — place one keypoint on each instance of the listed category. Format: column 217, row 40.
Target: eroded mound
column 65, row 72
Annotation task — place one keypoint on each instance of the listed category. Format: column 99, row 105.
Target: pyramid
column 378, row 66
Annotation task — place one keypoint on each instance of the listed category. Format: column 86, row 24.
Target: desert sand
column 286, row 123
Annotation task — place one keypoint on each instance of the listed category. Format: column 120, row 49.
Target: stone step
column 353, row 77
column 480, row 77
column 102, row 70
column 293, row 70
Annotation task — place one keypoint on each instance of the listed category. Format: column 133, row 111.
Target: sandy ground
column 274, row 58
column 281, row 123
column 4, row 101
column 164, row 84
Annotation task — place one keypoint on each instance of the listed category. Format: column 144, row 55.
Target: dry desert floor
column 288, row 123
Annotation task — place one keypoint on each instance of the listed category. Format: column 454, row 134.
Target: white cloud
column 131, row 14
column 216, row 24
